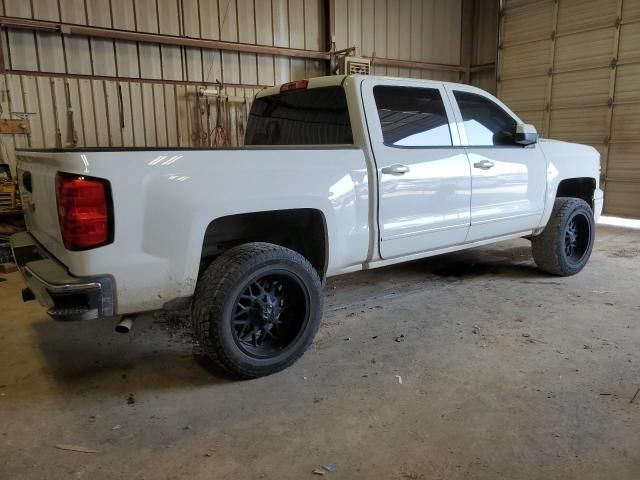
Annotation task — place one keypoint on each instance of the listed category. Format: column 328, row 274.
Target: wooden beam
column 110, row 78
column 13, row 126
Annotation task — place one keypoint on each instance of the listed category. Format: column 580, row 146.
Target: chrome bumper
column 65, row 296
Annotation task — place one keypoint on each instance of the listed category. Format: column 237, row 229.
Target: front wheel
column 257, row 309
column 565, row 245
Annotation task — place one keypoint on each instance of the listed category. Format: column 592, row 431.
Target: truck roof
column 332, row 80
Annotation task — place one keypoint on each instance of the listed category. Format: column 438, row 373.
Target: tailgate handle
column 26, row 181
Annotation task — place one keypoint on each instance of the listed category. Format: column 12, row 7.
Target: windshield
column 315, row 116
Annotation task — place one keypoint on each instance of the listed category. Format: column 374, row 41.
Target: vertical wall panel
column 229, row 31
column 50, row 51
column 126, row 52
column 16, row 103
column 264, row 36
column 45, row 111
column 281, row 39
column 22, row 43
column 171, row 114
column 102, row 50
column 137, row 115
column 77, row 52
column 148, row 109
column 247, row 34
column 115, row 114
column 100, row 112
column 87, row 112
column 169, row 18
column 149, row 55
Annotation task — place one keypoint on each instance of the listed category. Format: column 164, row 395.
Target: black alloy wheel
column 270, row 313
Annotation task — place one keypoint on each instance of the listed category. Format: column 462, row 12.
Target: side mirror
column 526, row 134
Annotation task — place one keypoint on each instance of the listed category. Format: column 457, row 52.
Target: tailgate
column 37, row 178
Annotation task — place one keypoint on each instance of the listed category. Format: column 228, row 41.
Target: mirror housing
column 526, row 134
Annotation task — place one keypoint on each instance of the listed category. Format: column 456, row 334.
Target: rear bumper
column 65, row 296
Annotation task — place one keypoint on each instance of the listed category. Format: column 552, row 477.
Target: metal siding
column 526, row 93
column 576, row 15
column 576, row 88
column 528, row 23
column 630, row 43
column 584, row 50
column 628, row 77
column 592, row 70
column 524, row 60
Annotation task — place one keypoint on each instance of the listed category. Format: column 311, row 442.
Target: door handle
column 395, row 169
column 484, row 164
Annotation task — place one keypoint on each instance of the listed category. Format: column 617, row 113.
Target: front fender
column 568, row 161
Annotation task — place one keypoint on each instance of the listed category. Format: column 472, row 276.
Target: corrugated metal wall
column 571, row 67
column 92, row 91
column 423, row 30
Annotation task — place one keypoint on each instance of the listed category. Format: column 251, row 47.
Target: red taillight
column 84, row 211
column 297, row 85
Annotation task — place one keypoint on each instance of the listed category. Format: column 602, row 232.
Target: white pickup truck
column 338, row 174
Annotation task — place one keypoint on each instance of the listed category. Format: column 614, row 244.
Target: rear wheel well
column 583, row 188
column 301, row 230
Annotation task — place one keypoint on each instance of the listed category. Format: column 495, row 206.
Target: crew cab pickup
column 337, row 174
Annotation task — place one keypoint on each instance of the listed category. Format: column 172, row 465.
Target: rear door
column 423, row 172
column 509, row 181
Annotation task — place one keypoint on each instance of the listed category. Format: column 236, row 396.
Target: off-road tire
column 215, row 298
column 549, row 246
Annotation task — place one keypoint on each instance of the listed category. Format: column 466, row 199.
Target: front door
column 509, row 181
column 423, row 172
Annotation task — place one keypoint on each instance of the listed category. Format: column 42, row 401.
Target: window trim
column 451, row 89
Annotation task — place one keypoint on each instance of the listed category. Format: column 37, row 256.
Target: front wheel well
column 583, row 188
column 302, row 230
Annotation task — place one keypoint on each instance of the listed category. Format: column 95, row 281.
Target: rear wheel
column 256, row 309
column 565, row 245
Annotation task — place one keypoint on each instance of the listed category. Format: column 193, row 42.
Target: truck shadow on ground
column 159, row 352
column 154, row 356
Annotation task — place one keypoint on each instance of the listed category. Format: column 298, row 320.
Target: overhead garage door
column 572, row 68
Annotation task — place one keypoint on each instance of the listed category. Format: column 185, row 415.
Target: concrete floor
column 506, row 373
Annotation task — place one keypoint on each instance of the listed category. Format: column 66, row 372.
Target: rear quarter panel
column 164, row 201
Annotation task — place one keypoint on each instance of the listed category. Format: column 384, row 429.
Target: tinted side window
column 412, row 117
column 314, row 116
column 485, row 122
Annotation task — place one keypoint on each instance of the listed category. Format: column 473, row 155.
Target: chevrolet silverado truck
column 337, row 174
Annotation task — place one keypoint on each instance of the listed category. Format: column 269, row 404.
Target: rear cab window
column 314, row 116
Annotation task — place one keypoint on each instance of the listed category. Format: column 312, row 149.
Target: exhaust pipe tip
column 125, row 325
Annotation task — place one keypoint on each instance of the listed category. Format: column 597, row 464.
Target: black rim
column 270, row 314
column 577, row 238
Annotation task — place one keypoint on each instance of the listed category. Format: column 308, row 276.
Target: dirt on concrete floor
column 466, row 366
